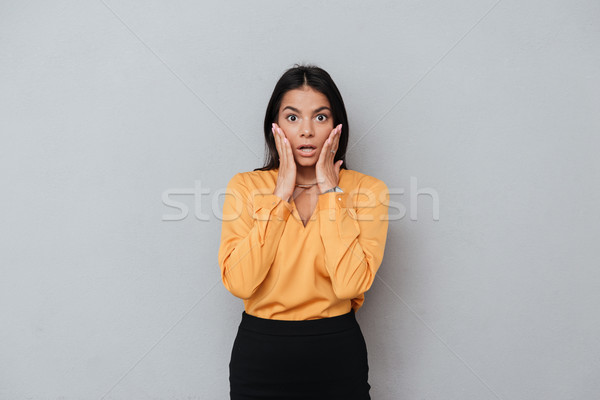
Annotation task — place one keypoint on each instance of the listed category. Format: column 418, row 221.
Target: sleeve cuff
column 269, row 205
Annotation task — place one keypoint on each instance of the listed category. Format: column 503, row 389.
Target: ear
column 338, row 165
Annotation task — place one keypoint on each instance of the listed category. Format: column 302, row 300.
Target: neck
column 305, row 175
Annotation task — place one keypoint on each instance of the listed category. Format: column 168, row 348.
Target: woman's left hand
column 328, row 173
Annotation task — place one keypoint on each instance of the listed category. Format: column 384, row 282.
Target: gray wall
column 490, row 108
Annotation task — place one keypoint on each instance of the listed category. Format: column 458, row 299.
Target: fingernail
column 284, row 140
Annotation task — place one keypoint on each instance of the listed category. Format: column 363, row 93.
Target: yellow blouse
column 286, row 271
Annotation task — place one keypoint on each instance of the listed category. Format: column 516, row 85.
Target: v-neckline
column 296, row 214
column 299, row 218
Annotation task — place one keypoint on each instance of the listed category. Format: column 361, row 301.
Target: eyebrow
column 315, row 111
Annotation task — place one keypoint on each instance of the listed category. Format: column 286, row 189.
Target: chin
column 306, row 163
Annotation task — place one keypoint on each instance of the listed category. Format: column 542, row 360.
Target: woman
column 301, row 241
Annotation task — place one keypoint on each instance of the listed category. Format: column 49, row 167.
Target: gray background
column 107, row 108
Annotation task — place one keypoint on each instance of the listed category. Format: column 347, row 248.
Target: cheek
column 326, row 131
column 323, row 137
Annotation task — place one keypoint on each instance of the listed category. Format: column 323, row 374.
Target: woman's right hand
column 286, row 177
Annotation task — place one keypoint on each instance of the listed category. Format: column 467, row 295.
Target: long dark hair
column 319, row 80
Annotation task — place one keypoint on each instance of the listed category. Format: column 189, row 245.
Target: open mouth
column 307, row 148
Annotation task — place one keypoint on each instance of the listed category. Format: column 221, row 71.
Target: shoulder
column 361, row 180
column 365, row 190
column 253, row 180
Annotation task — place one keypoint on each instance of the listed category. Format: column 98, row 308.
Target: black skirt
column 312, row 359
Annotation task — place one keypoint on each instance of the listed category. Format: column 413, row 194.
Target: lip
column 307, row 144
column 307, row 154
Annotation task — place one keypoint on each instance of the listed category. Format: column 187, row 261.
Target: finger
column 284, row 154
column 280, row 150
column 324, row 151
column 329, row 144
column 277, row 145
column 289, row 151
column 333, row 135
column 338, row 166
column 336, row 139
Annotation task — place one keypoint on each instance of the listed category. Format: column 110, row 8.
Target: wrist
column 333, row 189
column 282, row 196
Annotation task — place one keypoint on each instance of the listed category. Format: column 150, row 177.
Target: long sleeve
column 354, row 233
column 252, row 227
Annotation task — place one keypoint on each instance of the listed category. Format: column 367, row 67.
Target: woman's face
column 305, row 117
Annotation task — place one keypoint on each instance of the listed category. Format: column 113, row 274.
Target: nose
column 306, row 129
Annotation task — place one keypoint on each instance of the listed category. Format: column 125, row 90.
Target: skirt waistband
column 319, row 326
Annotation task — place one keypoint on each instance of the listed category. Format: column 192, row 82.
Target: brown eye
column 322, row 115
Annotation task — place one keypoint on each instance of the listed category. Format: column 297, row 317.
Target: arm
column 252, row 227
column 354, row 239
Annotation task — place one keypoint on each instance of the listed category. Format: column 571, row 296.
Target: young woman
column 301, row 241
